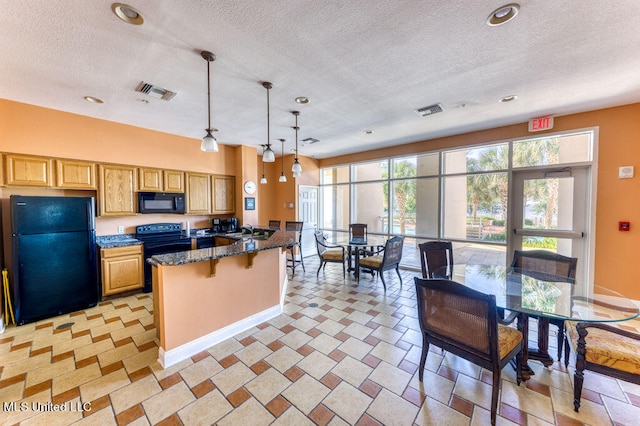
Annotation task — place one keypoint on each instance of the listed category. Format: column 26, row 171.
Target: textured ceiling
column 364, row 64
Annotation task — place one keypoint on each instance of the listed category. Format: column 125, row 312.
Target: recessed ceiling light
column 368, row 132
column 127, row 13
column 302, row 100
column 93, row 100
column 503, row 14
column 508, row 98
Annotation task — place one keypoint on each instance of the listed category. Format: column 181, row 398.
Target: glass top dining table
column 354, row 245
column 529, row 294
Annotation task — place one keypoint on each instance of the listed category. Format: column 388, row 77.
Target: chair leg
column 382, row 278
column 567, row 351
column 321, row 264
column 423, row 357
column 560, row 340
column 344, row 271
column 399, row 277
column 494, row 395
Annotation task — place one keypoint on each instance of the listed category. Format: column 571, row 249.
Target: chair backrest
column 458, row 315
column 320, row 240
column 392, row 252
column 274, row 224
column 357, row 231
column 435, row 255
column 545, row 262
column 294, row 226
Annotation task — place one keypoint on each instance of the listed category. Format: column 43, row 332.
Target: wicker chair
column 387, row 258
column 293, row 262
column 548, row 263
column 464, row 322
column 602, row 349
column 358, row 232
column 435, row 255
column 330, row 253
column 274, row 224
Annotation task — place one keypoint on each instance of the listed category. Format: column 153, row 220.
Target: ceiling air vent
column 309, row 141
column 155, row 91
column 429, row 110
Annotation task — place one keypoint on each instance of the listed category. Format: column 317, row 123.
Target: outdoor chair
column 464, row 322
column 435, row 256
column 388, row 257
column 274, row 224
column 330, row 253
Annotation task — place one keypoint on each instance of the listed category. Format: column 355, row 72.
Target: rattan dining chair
column 293, row 262
column 330, row 253
column 553, row 264
column 464, row 322
column 388, row 257
column 357, row 232
column 434, row 256
column 274, row 223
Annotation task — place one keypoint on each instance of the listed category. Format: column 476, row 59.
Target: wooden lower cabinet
column 224, row 241
column 122, row 269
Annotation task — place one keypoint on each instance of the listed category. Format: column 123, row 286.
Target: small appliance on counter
column 229, row 225
column 215, row 225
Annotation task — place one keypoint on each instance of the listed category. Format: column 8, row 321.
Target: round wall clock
column 250, row 187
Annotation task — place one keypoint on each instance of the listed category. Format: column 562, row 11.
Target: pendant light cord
column 209, row 94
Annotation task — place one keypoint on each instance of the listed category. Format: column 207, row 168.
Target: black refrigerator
column 54, row 256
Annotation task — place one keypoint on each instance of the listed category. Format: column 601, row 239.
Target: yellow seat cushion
column 336, row 254
column 371, row 261
column 608, row 349
column 508, row 338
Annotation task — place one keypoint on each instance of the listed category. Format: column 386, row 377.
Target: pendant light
column 296, row 168
column 209, row 143
column 268, row 156
column 263, row 180
column 283, row 178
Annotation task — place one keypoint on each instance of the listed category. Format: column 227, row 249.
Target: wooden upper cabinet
column 198, row 193
column 150, row 180
column 173, row 181
column 75, row 174
column 224, row 200
column 25, row 170
column 116, row 190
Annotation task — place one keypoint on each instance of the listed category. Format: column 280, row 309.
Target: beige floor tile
column 292, row 417
column 134, row 315
column 165, row 403
column 224, row 349
column 134, row 393
column 11, row 357
column 253, row 353
column 304, row 324
column 356, row 348
column 93, row 349
column 330, row 327
column 352, row 371
column 232, row 378
column 317, row 364
column 462, row 365
column 141, row 360
column 390, row 409
column 251, row 409
column 62, row 418
column 358, row 316
column 283, row 359
column 71, row 345
column 412, row 336
column 387, row 335
column 16, row 416
column 358, row 331
column 434, row 385
column 117, row 354
column 590, row 412
column 621, row 412
column 268, row 385
column 306, row 393
column 145, row 337
column 50, row 340
column 335, row 313
column 324, row 343
column 49, row 371
column 389, row 353
column 473, row 390
column 347, row 402
column 526, row 400
column 200, row 371
column 87, row 324
column 268, row 335
column 104, row 417
column 601, row 384
column 390, row 377
column 11, row 393
column 123, row 332
column 434, row 413
column 295, row 339
column 248, row 332
column 280, row 321
column 206, row 410
column 385, row 320
column 26, row 364
column 104, row 385
column 161, row 373
column 106, row 328
column 75, row 378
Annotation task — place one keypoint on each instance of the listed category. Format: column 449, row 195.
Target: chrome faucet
column 248, row 228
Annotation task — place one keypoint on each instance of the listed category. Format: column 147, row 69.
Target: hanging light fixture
column 268, row 156
column 283, row 178
column 296, row 168
column 263, row 180
column 209, row 143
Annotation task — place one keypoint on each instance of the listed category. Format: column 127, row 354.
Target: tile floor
column 352, row 359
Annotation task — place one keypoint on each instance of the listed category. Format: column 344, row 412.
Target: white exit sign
column 542, row 123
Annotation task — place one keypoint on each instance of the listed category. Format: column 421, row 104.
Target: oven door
column 157, row 248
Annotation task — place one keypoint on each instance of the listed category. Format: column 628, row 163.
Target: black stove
column 160, row 238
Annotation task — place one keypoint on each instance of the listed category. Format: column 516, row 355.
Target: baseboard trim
column 2, row 327
column 174, row 356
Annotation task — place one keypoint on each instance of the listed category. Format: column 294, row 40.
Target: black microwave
column 161, row 202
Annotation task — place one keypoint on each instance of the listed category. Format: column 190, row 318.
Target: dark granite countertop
column 118, row 240
column 245, row 244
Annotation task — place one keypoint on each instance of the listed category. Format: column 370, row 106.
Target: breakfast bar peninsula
column 202, row 297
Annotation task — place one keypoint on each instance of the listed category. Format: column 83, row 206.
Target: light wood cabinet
column 75, row 174
column 116, row 190
column 150, row 180
column 223, row 196
column 122, row 269
column 198, row 193
column 25, row 170
column 173, row 181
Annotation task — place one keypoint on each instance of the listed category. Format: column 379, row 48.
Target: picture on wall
column 249, row 203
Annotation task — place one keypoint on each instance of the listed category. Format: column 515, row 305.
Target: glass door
column 551, row 212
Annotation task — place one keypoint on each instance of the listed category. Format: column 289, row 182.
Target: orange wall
column 617, row 199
